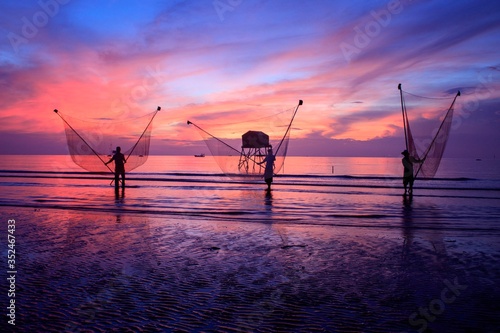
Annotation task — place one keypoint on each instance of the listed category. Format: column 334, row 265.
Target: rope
column 289, row 126
column 92, row 149
column 154, row 115
column 437, row 133
column 425, row 96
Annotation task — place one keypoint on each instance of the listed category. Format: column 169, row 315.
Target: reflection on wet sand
column 268, row 201
column 408, row 228
column 85, row 272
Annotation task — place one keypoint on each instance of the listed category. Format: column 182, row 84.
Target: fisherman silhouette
column 269, row 170
column 408, row 174
column 120, row 161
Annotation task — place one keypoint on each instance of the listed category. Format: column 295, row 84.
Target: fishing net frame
column 428, row 152
column 248, row 161
column 92, row 144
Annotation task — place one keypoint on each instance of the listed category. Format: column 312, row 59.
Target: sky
column 211, row 61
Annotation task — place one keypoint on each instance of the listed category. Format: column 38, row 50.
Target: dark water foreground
column 79, row 271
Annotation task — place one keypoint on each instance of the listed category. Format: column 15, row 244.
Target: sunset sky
column 211, row 61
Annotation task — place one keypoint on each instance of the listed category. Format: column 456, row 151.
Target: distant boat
column 199, row 155
column 478, row 159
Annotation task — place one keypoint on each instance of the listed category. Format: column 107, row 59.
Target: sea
column 347, row 191
column 335, row 246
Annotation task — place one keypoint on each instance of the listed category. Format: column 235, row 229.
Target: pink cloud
column 198, row 68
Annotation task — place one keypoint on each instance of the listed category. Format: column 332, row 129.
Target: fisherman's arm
column 111, row 160
column 417, row 160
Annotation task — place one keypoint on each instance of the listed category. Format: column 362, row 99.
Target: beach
column 203, row 253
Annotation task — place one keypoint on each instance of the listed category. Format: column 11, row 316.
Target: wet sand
column 103, row 272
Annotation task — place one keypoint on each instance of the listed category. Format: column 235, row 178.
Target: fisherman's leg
column 123, row 178
column 117, row 179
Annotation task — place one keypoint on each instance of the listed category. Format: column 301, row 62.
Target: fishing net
column 239, row 147
column 431, row 119
column 91, row 143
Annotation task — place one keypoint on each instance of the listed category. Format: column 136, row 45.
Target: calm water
column 335, row 247
column 311, row 190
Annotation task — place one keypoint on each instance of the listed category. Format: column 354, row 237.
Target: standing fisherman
column 269, row 170
column 408, row 174
column 120, row 161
